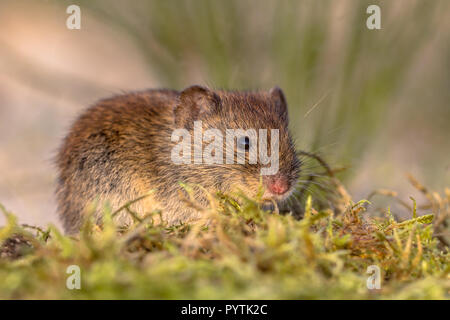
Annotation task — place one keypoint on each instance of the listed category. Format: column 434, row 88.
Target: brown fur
column 120, row 149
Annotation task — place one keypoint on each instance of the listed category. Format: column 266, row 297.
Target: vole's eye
column 243, row 143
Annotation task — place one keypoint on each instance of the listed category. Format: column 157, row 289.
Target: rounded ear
column 194, row 102
column 279, row 100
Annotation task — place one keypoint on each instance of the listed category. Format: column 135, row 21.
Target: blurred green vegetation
column 319, row 52
column 354, row 94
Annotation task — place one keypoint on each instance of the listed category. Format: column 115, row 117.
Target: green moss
column 238, row 251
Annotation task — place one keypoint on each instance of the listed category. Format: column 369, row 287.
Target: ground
column 237, row 252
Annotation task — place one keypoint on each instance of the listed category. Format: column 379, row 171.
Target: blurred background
column 376, row 102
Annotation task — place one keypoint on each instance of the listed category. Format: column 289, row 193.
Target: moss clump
column 237, row 252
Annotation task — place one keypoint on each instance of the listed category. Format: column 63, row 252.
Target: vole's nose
column 277, row 184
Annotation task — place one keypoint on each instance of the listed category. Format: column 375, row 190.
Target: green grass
column 237, row 252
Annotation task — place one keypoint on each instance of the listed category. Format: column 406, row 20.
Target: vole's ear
column 279, row 101
column 194, row 102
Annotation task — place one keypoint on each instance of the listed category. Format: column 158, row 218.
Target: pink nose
column 277, row 184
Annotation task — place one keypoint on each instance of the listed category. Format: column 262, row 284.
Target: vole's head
column 244, row 140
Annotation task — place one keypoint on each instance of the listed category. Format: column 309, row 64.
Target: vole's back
column 112, row 152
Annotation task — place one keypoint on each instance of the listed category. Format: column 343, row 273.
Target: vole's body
column 120, row 149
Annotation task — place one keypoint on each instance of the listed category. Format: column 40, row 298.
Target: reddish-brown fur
column 120, row 148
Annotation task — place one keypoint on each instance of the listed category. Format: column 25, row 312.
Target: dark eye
column 244, row 143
